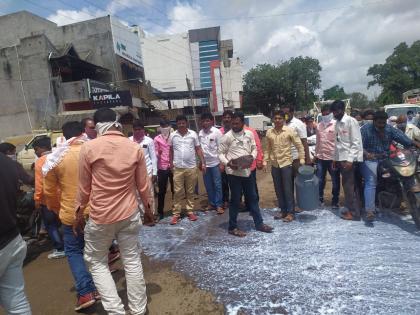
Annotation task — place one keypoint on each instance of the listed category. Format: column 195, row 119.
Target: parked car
column 27, row 156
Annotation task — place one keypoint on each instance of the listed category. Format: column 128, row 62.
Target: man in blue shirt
column 377, row 138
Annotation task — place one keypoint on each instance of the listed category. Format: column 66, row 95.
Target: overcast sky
column 346, row 36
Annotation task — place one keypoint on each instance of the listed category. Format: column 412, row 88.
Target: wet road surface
column 318, row 264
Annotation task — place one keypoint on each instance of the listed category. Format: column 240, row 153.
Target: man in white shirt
column 348, row 152
column 209, row 138
column 410, row 130
column 184, row 147
column 237, row 150
column 148, row 146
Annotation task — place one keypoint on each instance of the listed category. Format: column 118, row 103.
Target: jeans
column 225, row 187
column 12, row 291
column 73, row 247
column 322, row 166
column 238, row 184
column 163, row 177
column 52, row 223
column 369, row 172
column 351, row 195
column 213, row 182
column 98, row 238
column 283, row 185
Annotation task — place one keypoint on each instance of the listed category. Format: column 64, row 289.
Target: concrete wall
column 232, row 83
column 167, row 60
column 37, row 86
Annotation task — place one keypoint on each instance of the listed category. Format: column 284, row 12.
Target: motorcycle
column 398, row 180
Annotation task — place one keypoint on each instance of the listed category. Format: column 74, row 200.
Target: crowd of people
column 97, row 186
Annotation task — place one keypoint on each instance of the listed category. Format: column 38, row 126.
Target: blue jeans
column 322, row 166
column 73, row 247
column 213, row 183
column 52, row 223
column 238, row 184
column 12, row 293
column 369, row 173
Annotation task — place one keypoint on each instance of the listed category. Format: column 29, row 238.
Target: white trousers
column 12, row 293
column 98, row 238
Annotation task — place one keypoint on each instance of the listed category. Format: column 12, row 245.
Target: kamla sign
column 112, row 99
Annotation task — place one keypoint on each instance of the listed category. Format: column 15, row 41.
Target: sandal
column 288, row 218
column 220, row 210
column 237, row 232
column 265, row 228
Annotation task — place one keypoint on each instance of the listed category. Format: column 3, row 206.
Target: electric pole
column 192, row 102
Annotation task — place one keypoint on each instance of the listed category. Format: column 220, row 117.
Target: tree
column 359, row 100
column 335, row 92
column 399, row 73
column 293, row 81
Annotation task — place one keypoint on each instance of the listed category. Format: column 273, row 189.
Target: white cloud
column 62, row 17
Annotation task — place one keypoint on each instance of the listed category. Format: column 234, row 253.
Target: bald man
column 410, row 130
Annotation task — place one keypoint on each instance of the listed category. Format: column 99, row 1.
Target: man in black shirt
column 12, row 246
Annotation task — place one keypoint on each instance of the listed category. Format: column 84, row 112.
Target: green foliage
column 399, row 73
column 359, row 100
column 293, row 81
column 334, row 93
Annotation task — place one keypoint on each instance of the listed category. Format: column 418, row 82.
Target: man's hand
column 346, row 165
column 203, row 168
column 232, row 165
column 314, row 160
column 154, row 178
column 221, row 167
column 171, row 165
column 260, row 165
column 79, row 223
column 37, row 205
column 308, row 161
column 149, row 219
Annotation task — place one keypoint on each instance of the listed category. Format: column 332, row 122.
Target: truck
column 401, row 109
column 259, row 122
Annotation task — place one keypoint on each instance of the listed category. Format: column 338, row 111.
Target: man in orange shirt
column 111, row 169
column 61, row 169
column 42, row 147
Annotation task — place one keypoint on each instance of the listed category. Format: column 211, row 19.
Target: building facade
column 49, row 72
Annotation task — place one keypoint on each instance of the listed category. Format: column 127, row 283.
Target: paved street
column 318, row 264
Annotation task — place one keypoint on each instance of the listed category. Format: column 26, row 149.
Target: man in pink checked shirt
column 324, row 155
column 162, row 148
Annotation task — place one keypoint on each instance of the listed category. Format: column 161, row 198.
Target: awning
column 182, row 95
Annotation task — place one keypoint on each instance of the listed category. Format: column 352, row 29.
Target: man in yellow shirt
column 61, row 170
column 279, row 153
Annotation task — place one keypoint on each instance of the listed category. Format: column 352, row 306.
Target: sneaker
column 113, row 256
column 174, row 219
column 192, row 217
column 57, row 254
column 85, row 301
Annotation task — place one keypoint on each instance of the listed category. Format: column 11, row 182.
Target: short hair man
column 348, row 152
column 410, row 130
column 8, row 149
column 324, row 156
column 226, row 126
column 111, row 169
column 89, row 127
column 209, row 137
column 148, row 147
column 184, row 147
column 42, row 147
column 61, row 169
column 12, row 246
column 377, row 138
column 237, row 151
column 164, row 172
column 279, row 153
